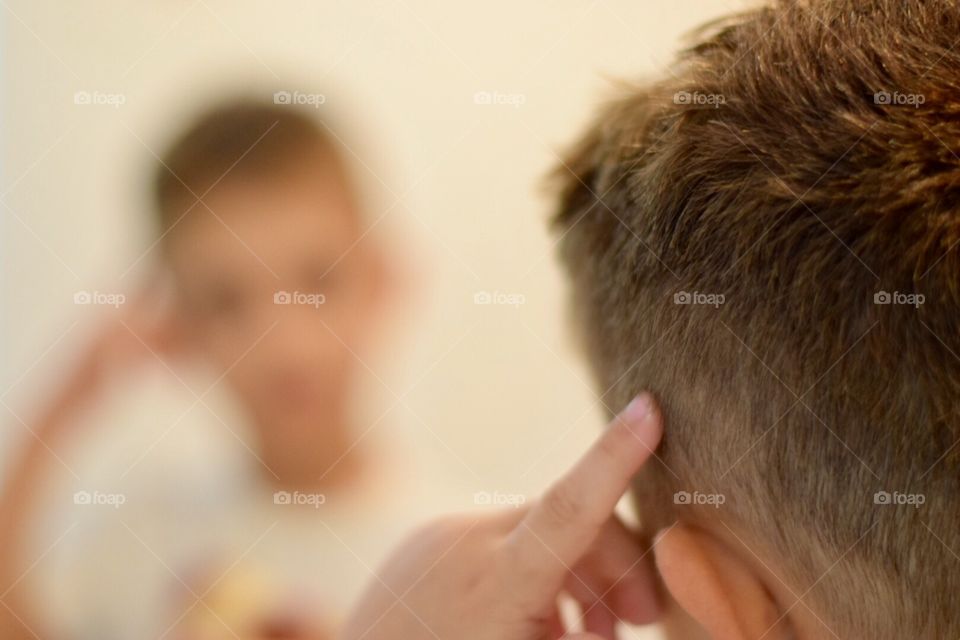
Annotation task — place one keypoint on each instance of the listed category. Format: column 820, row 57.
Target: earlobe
column 716, row 588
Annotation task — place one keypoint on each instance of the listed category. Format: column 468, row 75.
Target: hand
column 497, row 577
column 142, row 328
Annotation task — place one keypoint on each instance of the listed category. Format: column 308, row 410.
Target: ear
column 717, row 588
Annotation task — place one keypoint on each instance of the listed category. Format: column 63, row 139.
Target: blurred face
column 277, row 291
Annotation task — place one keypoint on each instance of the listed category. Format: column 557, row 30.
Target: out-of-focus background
column 455, row 112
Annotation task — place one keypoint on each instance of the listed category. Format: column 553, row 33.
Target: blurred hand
column 142, row 328
column 498, row 576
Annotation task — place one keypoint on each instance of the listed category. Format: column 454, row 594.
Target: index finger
column 562, row 525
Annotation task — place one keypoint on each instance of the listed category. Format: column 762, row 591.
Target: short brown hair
column 767, row 240
column 238, row 139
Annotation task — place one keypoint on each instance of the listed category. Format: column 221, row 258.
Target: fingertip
column 638, row 408
column 642, row 418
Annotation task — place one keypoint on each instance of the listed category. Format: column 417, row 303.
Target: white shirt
column 187, row 534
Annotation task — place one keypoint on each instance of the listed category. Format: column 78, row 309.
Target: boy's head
column 767, row 240
column 262, row 229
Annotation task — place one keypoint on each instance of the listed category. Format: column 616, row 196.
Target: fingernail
column 638, row 417
column 637, row 411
